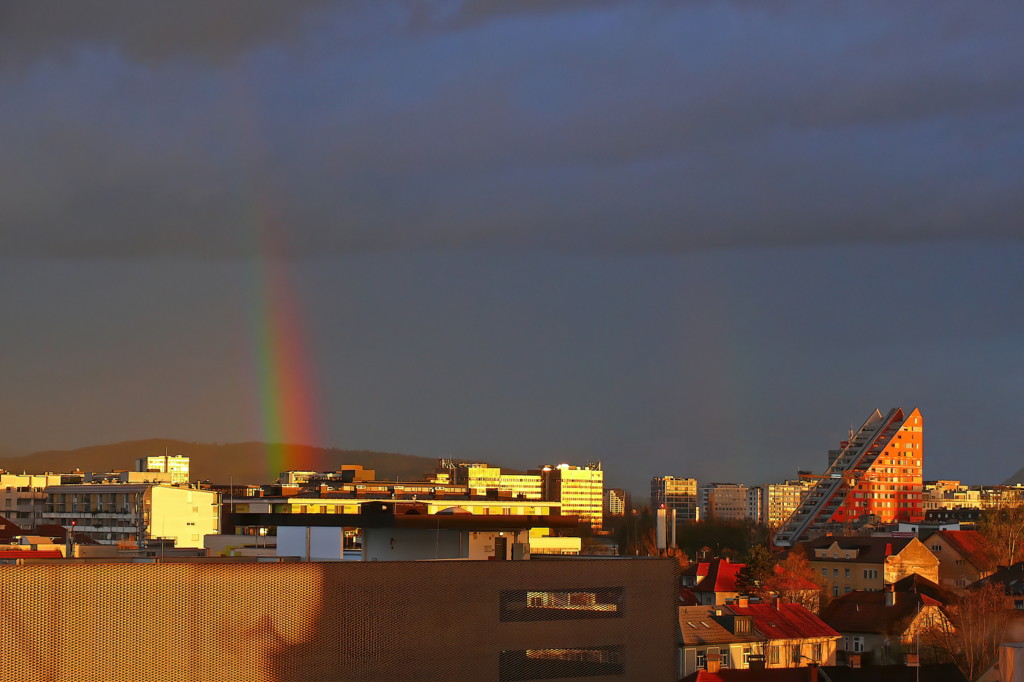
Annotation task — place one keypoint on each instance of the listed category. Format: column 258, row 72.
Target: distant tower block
column 876, row 473
column 175, row 465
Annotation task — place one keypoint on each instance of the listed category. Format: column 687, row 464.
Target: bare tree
column 975, row 628
column 1002, row 532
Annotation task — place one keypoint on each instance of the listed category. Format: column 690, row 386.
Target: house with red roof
column 717, row 585
column 712, row 638
column 963, row 558
column 794, row 636
column 714, row 583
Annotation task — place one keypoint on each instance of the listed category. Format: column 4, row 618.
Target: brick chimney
column 743, row 602
column 714, row 663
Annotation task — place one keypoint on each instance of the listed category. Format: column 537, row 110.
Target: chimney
column 714, row 662
column 853, row 660
column 812, row 672
column 743, row 602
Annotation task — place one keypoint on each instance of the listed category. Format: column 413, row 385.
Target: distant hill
column 241, row 462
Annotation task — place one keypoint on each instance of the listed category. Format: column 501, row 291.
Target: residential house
column 962, row 556
column 880, row 627
column 867, row 563
column 713, row 638
column 795, row 636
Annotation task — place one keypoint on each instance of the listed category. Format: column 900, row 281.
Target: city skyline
column 687, row 239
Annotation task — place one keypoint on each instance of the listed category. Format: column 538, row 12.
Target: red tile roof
column 968, row 543
column 787, row 621
column 721, row 577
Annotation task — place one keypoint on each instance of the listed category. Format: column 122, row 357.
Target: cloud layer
column 572, row 125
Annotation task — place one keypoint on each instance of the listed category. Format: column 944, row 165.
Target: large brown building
column 603, row 619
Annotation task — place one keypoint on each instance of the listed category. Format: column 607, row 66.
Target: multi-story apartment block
column 615, row 501
column 579, row 489
column 779, row 500
column 22, row 500
column 729, row 502
column 134, row 513
column 676, row 493
column 877, row 473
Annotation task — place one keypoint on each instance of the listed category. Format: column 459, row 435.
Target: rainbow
column 285, row 385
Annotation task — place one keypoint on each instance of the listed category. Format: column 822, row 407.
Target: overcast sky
column 679, row 237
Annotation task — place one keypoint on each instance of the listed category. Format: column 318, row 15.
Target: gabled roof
column 921, row 585
column 721, row 577
column 864, row 611
column 787, row 621
column 868, row 549
column 699, row 625
column 968, row 543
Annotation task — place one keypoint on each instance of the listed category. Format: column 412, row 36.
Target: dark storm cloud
column 557, row 125
column 147, row 30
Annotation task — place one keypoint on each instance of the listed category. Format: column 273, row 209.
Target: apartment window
column 773, row 655
column 835, row 590
column 574, row 604
column 702, row 659
column 816, row 652
column 545, row 664
column 959, row 562
column 746, row 657
column 847, row 572
column 795, row 654
column 858, row 644
column 824, row 573
column 835, row 572
column 870, row 573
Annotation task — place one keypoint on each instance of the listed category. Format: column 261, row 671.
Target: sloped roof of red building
column 721, row 577
column 787, row 621
column 968, row 543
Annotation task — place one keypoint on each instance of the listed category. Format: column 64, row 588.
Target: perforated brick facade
column 334, row 621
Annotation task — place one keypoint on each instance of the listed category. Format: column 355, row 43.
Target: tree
column 753, row 578
column 976, row 623
column 790, row 582
column 1002, row 533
